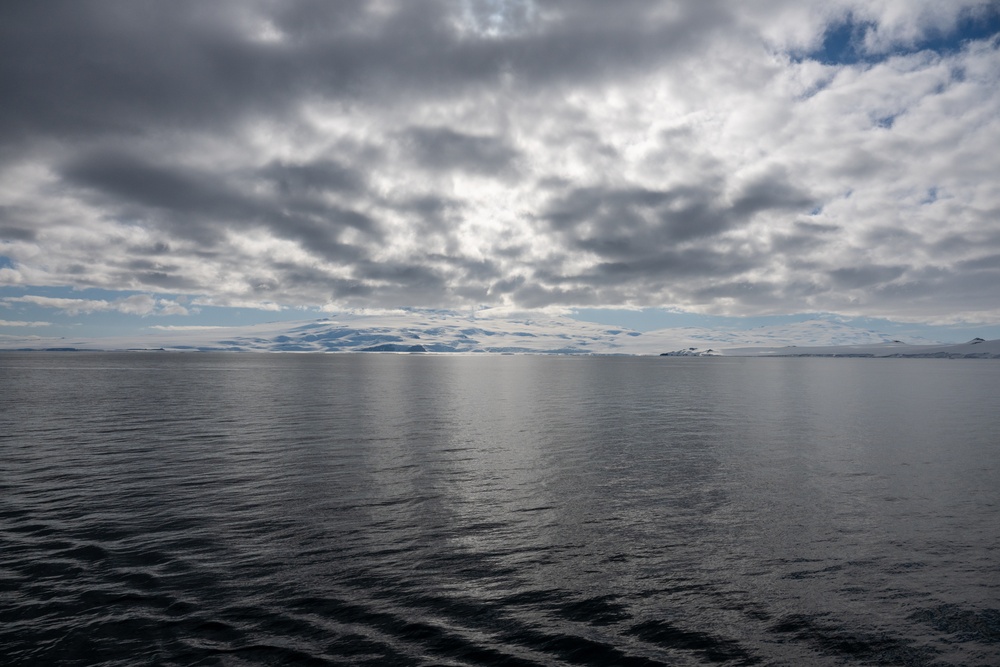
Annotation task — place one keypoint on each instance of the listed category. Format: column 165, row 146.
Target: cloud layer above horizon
column 728, row 158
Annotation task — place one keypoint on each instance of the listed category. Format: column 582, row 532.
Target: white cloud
column 68, row 306
column 137, row 304
column 16, row 323
column 168, row 307
column 514, row 155
column 190, row 327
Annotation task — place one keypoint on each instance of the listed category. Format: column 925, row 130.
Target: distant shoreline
column 983, row 350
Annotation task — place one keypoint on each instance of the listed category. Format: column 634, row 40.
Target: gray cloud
column 122, row 177
column 857, row 277
column 125, row 65
column 200, row 205
column 671, row 265
column 12, row 233
column 526, row 153
column 314, row 177
column 771, row 192
column 444, row 149
column 990, row 263
column 620, row 222
column 632, row 222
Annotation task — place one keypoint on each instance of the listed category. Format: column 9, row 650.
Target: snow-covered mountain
column 483, row 331
column 385, row 331
column 811, row 332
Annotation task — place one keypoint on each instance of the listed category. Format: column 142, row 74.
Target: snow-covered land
column 485, row 331
column 974, row 349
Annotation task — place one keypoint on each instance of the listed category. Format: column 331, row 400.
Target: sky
column 637, row 162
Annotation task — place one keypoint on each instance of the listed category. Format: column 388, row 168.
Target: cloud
column 189, row 327
column 68, row 306
column 443, row 149
column 137, row 304
column 324, row 175
column 717, row 157
column 16, row 323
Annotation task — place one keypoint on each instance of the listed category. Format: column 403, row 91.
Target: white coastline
column 447, row 332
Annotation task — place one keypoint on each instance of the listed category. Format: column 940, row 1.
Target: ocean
column 388, row 509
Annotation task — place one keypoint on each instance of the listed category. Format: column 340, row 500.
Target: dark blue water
column 236, row 509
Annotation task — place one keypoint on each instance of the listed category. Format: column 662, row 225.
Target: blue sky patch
column 651, row 319
column 886, row 122
column 843, row 43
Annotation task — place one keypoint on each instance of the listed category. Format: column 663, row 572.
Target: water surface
column 238, row 509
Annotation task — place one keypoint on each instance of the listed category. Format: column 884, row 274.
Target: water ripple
column 328, row 510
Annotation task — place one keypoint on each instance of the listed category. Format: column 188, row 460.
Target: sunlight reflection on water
column 408, row 509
